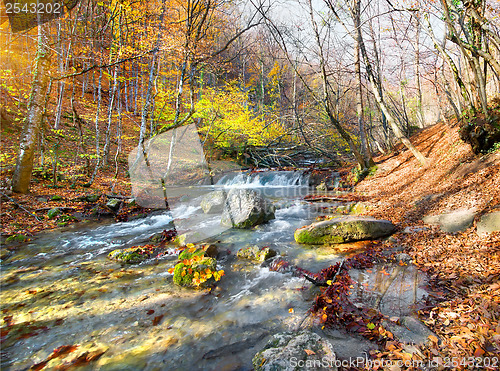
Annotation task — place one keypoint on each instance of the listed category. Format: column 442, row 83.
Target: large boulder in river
column 246, row 208
column 295, row 351
column 344, row 229
column 213, row 202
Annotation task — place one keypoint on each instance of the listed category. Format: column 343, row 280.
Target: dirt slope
column 464, row 268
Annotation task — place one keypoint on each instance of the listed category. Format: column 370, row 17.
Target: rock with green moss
column 256, row 253
column 17, row 238
column 132, row 255
column 246, row 208
column 52, row 213
column 344, row 229
column 295, row 351
column 196, row 268
column 114, row 204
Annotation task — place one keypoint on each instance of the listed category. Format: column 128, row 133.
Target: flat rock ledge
column 344, row 229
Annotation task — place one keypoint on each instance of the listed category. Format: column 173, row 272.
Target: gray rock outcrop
column 245, row 208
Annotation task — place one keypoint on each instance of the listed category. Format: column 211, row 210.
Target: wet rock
column 295, row 351
column 411, row 331
column 213, row 202
column 321, row 187
column 454, row 221
column 196, row 268
column 346, row 345
column 245, row 208
column 114, row 204
column 344, row 229
column 256, row 253
column 132, row 255
column 17, row 238
column 52, row 213
column 489, row 223
column 404, row 258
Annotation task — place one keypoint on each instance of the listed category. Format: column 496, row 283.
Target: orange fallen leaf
column 479, row 352
column 309, row 352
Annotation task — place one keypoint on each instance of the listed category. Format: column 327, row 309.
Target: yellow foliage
column 229, row 120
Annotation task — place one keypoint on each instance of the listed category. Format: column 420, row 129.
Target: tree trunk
column 383, row 107
column 24, row 165
column 365, row 148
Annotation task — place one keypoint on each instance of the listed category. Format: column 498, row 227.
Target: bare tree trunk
column 420, row 109
column 392, row 123
column 365, row 148
column 24, row 165
column 97, row 131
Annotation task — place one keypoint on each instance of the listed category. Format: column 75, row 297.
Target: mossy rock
column 197, row 267
column 56, row 198
column 52, row 213
column 114, row 204
column 256, row 253
column 17, row 238
column 185, row 274
column 344, row 229
column 132, row 255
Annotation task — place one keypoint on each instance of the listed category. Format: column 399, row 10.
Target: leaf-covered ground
column 464, row 268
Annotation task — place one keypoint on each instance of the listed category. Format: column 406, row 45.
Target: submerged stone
column 344, row 229
column 295, row 351
column 256, row 253
column 132, row 255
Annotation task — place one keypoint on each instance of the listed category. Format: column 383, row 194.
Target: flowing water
column 61, row 289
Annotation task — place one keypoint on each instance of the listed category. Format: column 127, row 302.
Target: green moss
column 256, row 253
column 52, row 213
column 17, row 238
column 303, row 235
column 131, row 255
column 187, row 254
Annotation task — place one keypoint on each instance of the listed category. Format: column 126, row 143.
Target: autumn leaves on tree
column 337, row 79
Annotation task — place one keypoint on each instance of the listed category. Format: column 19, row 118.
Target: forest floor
column 463, row 267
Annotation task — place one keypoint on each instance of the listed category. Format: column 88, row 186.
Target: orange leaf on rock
column 309, row 352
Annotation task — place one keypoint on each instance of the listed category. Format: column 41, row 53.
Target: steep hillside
column 463, row 267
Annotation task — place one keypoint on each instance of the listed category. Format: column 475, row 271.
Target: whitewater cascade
column 265, row 179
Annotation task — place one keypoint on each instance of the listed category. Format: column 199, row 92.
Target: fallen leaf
column 309, row 352
column 157, row 319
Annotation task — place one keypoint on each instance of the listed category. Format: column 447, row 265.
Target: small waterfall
column 265, row 179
